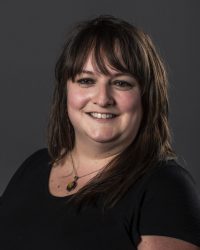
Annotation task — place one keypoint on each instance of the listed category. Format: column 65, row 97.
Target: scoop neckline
column 49, row 194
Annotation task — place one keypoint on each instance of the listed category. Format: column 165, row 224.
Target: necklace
column 73, row 184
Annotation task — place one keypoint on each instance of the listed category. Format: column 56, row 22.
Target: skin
column 152, row 242
column 94, row 92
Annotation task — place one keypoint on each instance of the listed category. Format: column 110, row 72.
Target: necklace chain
column 73, row 184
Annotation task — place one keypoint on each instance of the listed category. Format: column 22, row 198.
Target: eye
column 124, row 85
column 86, row 82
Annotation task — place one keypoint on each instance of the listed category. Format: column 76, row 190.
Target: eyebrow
column 115, row 75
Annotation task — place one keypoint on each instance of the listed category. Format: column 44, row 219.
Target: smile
column 102, row 115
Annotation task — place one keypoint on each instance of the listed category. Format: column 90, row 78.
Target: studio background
column 32, row 34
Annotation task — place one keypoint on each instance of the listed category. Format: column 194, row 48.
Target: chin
column 103, row 139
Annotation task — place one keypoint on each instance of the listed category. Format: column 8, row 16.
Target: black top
column 163, row 202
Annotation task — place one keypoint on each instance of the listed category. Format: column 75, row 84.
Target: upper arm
column 170, row 211
column 152, row 242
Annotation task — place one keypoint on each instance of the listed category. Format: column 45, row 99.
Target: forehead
column 91, row 66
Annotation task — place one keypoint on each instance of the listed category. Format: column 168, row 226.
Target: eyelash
column 86, row 82
column 124, row 84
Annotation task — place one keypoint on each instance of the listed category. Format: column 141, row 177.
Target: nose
column 103, row 96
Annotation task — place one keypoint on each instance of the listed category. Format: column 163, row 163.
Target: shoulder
column 164, row 179
column 172, row 190
column 171, row 204
column 172, row 176
column 34, row 161
column 31, row 166
column 38, row 155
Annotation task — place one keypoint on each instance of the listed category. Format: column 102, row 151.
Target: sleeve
column 15, row 181
column 171, row 205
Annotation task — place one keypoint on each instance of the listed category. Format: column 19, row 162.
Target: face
column 104, row 108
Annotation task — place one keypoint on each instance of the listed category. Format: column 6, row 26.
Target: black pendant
column 72, row 185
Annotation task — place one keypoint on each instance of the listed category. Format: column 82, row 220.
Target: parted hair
column 127, row 49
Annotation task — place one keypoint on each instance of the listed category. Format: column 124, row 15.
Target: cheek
column 131, row 102
column 75, row 99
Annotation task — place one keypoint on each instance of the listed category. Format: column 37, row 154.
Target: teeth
column 101, row 116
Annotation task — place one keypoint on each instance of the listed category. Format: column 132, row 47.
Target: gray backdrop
column 31, row 35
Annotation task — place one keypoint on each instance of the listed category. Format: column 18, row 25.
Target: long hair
column 127, row 49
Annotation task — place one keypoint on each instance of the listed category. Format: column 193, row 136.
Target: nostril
column 103, row 101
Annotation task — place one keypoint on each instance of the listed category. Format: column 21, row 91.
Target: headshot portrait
column 97, row 151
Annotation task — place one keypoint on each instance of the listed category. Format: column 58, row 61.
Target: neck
column 92, row 156
column 97, row 150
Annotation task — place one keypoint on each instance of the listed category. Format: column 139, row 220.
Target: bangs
column 109, row 47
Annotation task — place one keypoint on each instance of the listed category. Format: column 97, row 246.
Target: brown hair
column 138, row 57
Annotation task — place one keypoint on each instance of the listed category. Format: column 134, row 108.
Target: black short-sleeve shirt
column 163, row 202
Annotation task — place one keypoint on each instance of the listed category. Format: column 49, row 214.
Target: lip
column 109, row 113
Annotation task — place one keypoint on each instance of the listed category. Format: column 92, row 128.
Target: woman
column 109, row 179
